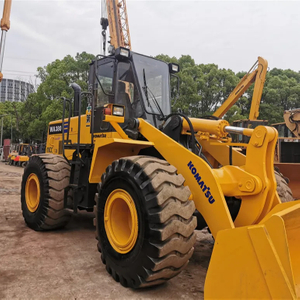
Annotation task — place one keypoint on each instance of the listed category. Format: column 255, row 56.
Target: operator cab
column 138, row 82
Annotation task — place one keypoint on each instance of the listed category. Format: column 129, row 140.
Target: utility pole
column 10, row 130
column 1, row 132
column 2, row 116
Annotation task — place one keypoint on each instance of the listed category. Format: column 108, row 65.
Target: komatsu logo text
column 203, row 186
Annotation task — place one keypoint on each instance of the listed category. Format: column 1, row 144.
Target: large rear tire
column 42, row 194
column 144, row 221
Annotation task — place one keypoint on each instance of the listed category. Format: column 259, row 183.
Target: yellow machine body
column 256, row 255
column 12, row 156
column 19, row 155
column 23, row 158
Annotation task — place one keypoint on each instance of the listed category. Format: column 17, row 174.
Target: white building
column 14, row 90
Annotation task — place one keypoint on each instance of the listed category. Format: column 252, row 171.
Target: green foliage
column 10, row 124
column 235, row 113
column 204, row 88
column 31, row 118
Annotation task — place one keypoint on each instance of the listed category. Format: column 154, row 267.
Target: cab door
column 115, row 83
column 103, row 92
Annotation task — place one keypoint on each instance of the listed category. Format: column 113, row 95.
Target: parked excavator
column 257, row 75
column 144, row 170
column 285, row 174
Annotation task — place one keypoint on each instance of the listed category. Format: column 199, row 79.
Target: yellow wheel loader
column 152, row 177
column 287, row 187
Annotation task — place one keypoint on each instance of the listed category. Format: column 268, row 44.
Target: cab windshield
column 153, row 76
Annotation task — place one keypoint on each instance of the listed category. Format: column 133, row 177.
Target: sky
column 231, row 34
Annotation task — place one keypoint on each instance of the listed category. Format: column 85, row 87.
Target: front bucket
column 260, row 261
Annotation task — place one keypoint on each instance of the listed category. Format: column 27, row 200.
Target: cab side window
column 105, row 75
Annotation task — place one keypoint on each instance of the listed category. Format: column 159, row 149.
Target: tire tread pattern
column 171, row 220
column 56, row 173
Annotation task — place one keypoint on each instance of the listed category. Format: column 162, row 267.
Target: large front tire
column 144, row 221
column 42, row 194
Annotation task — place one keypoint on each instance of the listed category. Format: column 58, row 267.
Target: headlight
column 122, row 53
column 173, row 68
column 118, row 111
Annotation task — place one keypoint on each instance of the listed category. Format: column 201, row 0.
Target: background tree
column 204, row 88
column 31, row 117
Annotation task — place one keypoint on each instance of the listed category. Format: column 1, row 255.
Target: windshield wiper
column 146, row 90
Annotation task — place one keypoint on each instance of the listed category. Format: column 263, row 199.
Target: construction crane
column 114, row 16
column 5, row 25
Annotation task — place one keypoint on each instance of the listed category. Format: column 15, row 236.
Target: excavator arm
column 257, row 75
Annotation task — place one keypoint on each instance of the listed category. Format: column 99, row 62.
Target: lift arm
column 5, row 25
column 256, row 74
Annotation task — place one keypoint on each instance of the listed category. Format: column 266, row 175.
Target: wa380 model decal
column 57, row 128
column 203, row 186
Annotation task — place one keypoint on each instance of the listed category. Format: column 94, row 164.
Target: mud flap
column 260, row 261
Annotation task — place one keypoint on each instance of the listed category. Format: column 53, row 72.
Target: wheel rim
column 32, row 192
column 121, row 221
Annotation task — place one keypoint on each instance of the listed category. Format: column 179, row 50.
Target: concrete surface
column 65, row 264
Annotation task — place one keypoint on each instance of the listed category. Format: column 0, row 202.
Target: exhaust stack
column 77, row 97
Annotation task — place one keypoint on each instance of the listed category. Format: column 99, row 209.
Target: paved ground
column 65, row 264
